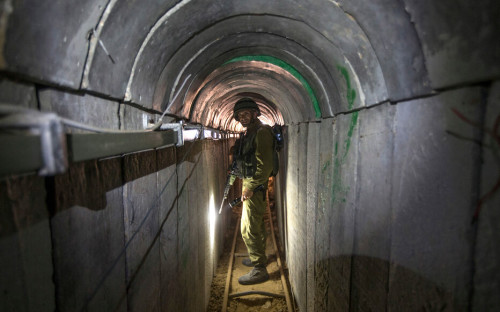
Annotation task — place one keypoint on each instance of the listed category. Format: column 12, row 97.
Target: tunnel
column 116, row 121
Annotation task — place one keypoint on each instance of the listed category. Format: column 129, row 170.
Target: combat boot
column 257, row 275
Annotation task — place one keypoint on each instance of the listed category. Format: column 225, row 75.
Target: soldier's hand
column 246, row 194
column 236, row 209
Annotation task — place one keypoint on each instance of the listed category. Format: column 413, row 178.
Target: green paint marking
column 337, row 183
column 289, row 68
column 325, row 166
column 351, row 93
column 354, row 121
column 339, row 191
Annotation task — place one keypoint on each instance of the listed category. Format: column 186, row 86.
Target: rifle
column 229, row 182
column 237, row 201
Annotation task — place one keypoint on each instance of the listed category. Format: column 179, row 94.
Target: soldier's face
column 246, row 116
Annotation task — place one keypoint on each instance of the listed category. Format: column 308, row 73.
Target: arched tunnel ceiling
column 300, row 45
column 323, row 27
column 281, row 94
column 317, row 57
column 350, row 53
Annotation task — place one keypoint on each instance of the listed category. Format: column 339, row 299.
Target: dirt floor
column 253, row 302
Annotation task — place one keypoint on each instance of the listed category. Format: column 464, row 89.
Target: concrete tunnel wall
column 392, row 144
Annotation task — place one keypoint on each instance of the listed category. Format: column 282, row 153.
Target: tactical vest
column 244, row 154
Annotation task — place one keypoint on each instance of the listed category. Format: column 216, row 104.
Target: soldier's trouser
column 253, row 228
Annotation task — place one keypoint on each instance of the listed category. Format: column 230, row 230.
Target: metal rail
column 32, row 140
column 230, row 268
column 25, row 153
column 228, row 296
column 278, row 259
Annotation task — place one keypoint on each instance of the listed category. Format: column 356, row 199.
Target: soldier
column 255, row 155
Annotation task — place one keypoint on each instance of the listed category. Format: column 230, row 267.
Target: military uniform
column 254, row 163
column 257, row 138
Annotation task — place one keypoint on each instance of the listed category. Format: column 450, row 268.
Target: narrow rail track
column 231, row 291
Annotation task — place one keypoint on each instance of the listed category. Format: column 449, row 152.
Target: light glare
column 212, row 220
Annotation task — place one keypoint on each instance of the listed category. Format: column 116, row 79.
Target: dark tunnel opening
column 116, row 126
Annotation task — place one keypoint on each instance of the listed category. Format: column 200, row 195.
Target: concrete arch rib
column 257, row 33
column 121, row 33
column 307, row 64
column 352, row 46
column 283, row 93
column 222, row 115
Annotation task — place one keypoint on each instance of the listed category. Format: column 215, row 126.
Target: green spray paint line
column 352, row 124
column 339, row 191
column 325, row 166
column 289, row 68
column 351, row 96
column 337, row 182
column 351, row 93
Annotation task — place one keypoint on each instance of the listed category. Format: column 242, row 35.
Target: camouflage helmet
column 245, row 103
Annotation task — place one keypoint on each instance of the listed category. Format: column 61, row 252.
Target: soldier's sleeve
column 264, row 157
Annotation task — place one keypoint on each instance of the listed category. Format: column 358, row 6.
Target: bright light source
column 266, row 120
column 239, row 128
column 212, row 219
column 190, row 135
